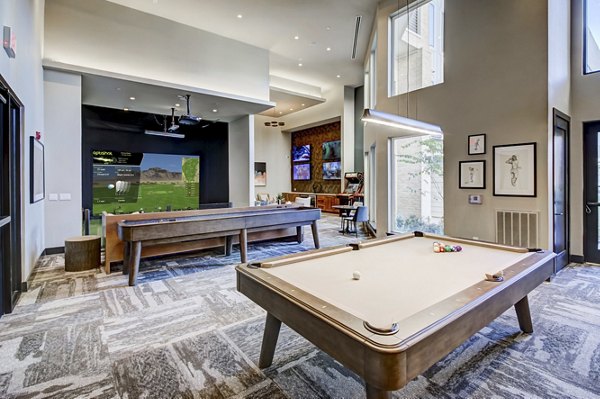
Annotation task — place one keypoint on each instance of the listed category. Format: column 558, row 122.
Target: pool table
column 408, row 309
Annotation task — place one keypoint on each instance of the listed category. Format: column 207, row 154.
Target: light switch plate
column 53, row 197
column 65, row 196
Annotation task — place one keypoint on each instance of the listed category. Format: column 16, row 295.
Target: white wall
column 62, row 110
column 241, row 161
column 495, row 83
column 585, row 106
column 347, row 132
column 106, row 36
column 24, row 75
column 273, row 146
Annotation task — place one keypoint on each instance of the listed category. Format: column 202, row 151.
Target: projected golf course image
column 134, row 182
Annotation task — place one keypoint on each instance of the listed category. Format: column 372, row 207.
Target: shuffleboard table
column 135, row 233
column 406, row 309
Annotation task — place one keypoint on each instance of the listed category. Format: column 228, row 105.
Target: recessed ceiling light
column 302, row 105
column 328, row 49
column 215, row 110
column 240, row 16
column 126, row 109
column 280, row 112
column 328, row 28
column 132, row 98
column 299, row 64
column 338, row 76
column 118, row 88
column 296, row 37
column 177, row 105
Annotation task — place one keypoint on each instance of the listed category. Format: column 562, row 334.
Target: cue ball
column 356, row 275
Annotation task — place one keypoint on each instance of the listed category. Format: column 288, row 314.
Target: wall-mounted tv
column 301, row 153
column 332, row 170
column 332, row 150
column 301, row 171
column 125, row 182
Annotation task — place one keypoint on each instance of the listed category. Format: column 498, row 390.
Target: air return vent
column 356, row 30
column 518, row 228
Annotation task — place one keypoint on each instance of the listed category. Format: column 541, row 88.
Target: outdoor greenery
column 415, row 223
column 430, row 158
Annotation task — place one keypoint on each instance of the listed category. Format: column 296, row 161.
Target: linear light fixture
column 400, row 122
column 165, row 134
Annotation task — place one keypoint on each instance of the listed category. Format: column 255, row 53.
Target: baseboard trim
column 54, row 251
column 576, row 259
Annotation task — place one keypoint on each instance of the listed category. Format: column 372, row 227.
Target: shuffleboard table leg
column 134, row 261
column 524, row 315
column 228, row 245
column 376, row 393
column 244, row 245
column 269, row 342
column 299, row 234
column 126, row 253
column 315, row 233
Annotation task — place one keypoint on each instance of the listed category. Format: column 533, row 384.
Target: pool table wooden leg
column 228, row 245
column 523, row 315
column 376, row 393
column 244, row 245
column 134, row 261
column 299, row 234
column 315, row 233
column 267, row 350
column 126, row 255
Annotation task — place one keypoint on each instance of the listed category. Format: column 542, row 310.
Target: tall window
column 591, row 36
column 417, row 184
column 371, row 76
column 417, row 47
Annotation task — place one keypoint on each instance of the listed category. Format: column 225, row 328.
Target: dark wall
column 111, row 129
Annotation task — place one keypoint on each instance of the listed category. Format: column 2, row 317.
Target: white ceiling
column 274, row 24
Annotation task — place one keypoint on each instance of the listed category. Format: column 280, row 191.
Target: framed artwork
column 36, row 170
column 260, row 173
column 476, row 144
column 515, row 170
column 471, row 174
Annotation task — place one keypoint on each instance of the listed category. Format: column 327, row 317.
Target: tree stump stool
column 82, row 253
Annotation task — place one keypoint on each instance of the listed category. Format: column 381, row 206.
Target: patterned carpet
column 185, row 332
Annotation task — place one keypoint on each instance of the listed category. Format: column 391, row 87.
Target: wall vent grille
column 517, row 228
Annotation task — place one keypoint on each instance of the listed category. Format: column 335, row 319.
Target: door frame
column 10, row 293
column 556, row 115
column 587, row 128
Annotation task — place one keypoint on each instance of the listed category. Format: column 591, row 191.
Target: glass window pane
column 592, row 36
column 417, row 43
column 418, row 184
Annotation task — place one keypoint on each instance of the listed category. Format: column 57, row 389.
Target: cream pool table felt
column 410, row 307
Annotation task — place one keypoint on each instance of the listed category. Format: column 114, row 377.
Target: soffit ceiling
column 274, row 25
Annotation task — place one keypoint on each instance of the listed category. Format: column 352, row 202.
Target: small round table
column 82, row 253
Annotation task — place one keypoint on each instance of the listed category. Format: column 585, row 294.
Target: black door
column 591, row 165
column 10, row 199
column 561, row 189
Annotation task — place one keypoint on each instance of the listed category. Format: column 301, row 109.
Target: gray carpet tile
column 185, row 332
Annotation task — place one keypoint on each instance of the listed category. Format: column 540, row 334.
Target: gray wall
column 496, row 79
column 359, row 149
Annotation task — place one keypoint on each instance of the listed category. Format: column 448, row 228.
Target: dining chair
column 360, row 215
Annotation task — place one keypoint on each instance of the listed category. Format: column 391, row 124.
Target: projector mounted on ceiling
column 170, row 131
column 188, row 119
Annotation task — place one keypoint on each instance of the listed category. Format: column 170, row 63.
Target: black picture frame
column 37, row 181
column 471, row 174
column 515, row 170
column 476, row 149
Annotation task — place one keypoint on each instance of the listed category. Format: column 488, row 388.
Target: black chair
column 360, row 215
